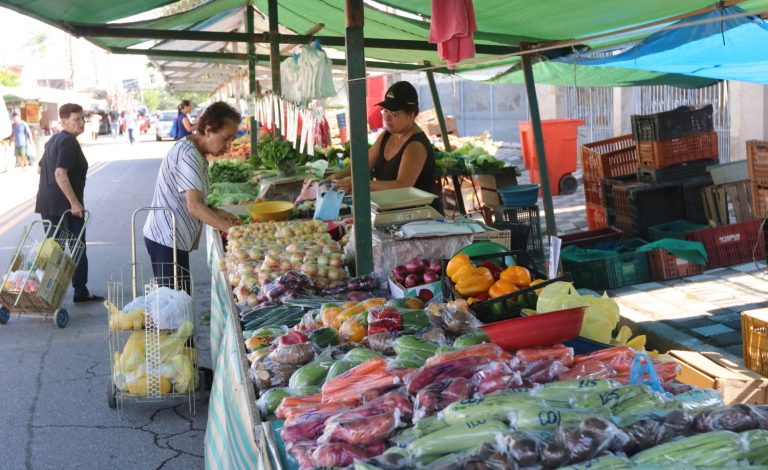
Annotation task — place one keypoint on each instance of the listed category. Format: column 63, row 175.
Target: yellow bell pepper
column 352, row 331
column 501, row 287
column 456, row 263
column 474, row 282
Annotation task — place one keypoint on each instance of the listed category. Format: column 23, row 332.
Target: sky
column 16, row 30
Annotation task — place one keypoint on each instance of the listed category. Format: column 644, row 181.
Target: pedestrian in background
column 130, row 125
column 114, row 123
column 183, row 125
column 95, row 125
column 63, row 170
column 21, row 140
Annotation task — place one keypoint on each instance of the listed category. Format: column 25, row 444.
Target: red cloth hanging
column 451, row 28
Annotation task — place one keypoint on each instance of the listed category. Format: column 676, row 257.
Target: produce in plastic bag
column 608, row 462
column 293, row 354
column 454, row 318
column 643, row 434
column 711, row 449
column 464, row 367
column 360, row 430
column 699, row 398
column 484, row 457
column 371, row 374
column 756, row 444
column 542, row 372
column 337, row 454
column 270, row 399
column 457, row 438
column 524, row 448
column 437, row 395
column 383, row 343
column 588, row 370
column 124, row 319
column 496, row 376
column 557, row 352
column 736, row 418
column 545, row 417
column 495, row 406
column 600, row 318
column 168, row 308
column 311, row 373
column 267, row 373
column 487, row 350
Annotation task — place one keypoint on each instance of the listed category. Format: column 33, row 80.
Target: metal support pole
column 249, row 12
column 444, row 133
column 358, row 133
column 538, row 136
column 274, row 46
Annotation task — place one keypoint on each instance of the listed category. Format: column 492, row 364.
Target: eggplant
column 365, row 282
column 554, row 455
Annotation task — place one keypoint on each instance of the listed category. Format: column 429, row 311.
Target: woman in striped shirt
column 182, row 187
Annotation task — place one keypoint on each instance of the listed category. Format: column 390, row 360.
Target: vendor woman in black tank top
column 402, row 155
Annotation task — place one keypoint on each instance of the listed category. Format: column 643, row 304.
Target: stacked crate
column 612, row 158
column 757, row 167
column 674, row 145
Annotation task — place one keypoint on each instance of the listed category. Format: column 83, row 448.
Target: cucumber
column 471, row 339
column 414, row 321
column 494, row 406
column 413, row 351
column 311, row 373
column 359, row 355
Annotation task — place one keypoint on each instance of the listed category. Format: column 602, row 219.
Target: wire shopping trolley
column 151, row 328
column 41, row 271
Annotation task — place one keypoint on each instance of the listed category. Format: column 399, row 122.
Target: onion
column 335, row 262
column 296, row 257
column 412, row 280
column 333, row 274
column 399, row 273
column 322, row 261
column 309, row 269
column 436, row 266
column 252, row 300
column 285, row 266
column 322, row 271
column 430, row 277
column 414, row 266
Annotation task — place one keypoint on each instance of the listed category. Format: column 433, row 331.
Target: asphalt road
column 53, row 407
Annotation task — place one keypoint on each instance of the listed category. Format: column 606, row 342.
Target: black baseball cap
column 401, row 95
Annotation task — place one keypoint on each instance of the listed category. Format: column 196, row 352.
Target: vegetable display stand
column 151, row 327
column 754, row 331
column 731, row 244
column 528, row 216
column 665, row 266
column 41, row 271
column 560, row 147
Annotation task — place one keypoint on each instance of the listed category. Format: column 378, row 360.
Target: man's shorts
column 20, row 151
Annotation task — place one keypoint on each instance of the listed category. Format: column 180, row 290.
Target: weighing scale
column 400, row 206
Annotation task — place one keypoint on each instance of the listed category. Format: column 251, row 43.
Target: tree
column 37, row 44
column 161, row 98
column 9, row 78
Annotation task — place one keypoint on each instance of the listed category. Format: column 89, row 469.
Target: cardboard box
column 399, row 292
column 432, row 127
column 712, row 370
column 56, row 278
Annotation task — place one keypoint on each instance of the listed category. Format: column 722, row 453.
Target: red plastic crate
column 664, row 153
column 593, row 192
column 664, row 266
column 597, row 216
column 757, row 166
column 731, row 244
column 590, row 237
column 609, row 158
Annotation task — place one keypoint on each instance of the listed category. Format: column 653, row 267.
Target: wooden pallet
column 716, row 200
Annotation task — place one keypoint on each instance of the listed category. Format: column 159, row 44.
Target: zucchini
column 413, row 350
column 495, row 406
column 359, row 355
column 608, row 462
column 756, row 443
column 311, row 373
column 338, row 368
column 610, row 398
column 414, row 321
column 457, row 438
column 710, row 449
column 543, row 417
column 471, row 339
column 429, row 425
column 270, row 400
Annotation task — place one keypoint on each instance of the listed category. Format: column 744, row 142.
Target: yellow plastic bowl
column 270, row 210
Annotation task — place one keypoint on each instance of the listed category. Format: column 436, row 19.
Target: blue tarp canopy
column 725, row 44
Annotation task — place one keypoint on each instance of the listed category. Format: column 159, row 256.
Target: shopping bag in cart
column 169, row 308
column 328, row 205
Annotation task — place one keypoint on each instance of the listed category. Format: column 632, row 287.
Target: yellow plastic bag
column 45, row 249
column 119, row 320
column 600, row 318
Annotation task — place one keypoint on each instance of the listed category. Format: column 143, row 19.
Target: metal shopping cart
column 41, row 271
column 151, row 329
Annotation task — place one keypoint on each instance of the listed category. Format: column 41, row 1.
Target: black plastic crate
column 528, row 216
column 607, row 186
column 506, row 306
column 678, row 122
column 675, row 173
column 641, row 207
column 519, row 235
column 693, row 200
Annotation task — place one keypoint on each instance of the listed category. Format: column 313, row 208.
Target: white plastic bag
column 169, row 308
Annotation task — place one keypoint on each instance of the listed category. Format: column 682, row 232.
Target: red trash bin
column 560, row 146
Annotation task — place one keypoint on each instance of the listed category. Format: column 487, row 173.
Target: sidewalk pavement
column 698, row 313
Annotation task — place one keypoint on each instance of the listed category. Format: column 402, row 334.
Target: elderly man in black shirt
column 63, row 169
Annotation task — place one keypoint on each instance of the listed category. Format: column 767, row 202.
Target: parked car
column 164, row 123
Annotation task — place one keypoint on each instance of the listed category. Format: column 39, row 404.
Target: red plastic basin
column 543, row 329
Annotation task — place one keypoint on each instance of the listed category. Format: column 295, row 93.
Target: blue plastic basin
column 521, row 195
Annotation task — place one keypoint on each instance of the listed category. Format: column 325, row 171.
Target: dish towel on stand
column 451, row 28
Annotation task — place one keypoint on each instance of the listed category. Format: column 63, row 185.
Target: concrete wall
column 749, row 115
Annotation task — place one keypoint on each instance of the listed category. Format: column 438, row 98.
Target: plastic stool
column 528, row 216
